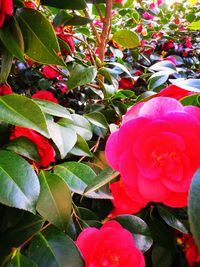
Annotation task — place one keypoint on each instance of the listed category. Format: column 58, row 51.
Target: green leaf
column 156, row 80
column 120, row 66
column 162, row 257
column 138, row 228
column 191, row 100
column 64, row 18
column 75, row 4
column 20, row 110
column 53, row 248
column 81, row 148
column 80, row 124
column 126, row 38
column 194, row 208
column 12, row 38
column 192, row 2
column 77, row 21
column 6, row 64
column 19, row 260
column 195, row 25
column 54, row 203
column 24, row 147
column 14, row 236
column 80, row 76
column 52, row 108
column 104, row 177
column 76, row 175
column 97, row 119
column 19, row 185
column 64, row 137
column 41, row 43
column 171, row 219
column 165, row 65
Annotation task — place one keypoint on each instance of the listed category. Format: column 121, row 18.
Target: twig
column 99, row 11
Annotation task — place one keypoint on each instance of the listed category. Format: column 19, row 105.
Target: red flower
column 139, row 28
column 110, row 246
column 46, row 95
column 191, row 251
column 6, row 10
column 67, row 38
column 175, row 92
column 188, row 43
column 45, row 149
column 126, row 83
column 30, row 4
column 49, row 72
column 168, row 45
column 155, row 153
column 147, row 16
column 5, row 90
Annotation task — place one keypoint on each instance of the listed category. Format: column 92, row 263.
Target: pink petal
column 112, row 152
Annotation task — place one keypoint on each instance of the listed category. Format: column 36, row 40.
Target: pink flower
column 152, row 5
column 5, row 89
column 6, row 10
column 49, row 72
column 171, row 58
column 188, row 43
column 110, row 246
column 98, row 23
column 45, row 149
column 155, row 152
column 160, row 2
column 147, row 15
column 46, row 95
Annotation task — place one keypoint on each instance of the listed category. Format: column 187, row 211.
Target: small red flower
column 126, row 83
column 30, row 4
column 175, row 92
column 49, row 72
column 46, row 95
column 6, row 10
column 188, row 43
column 68, row 39
column 45, row 149
column 191, row 251
column 5, row 90
column 147, row 16
column 139, row 28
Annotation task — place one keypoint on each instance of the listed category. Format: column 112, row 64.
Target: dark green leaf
column 20, row 110
column 194, row 207
column 41, row 43
column 65, row 4
column 6, row 64
column 53, row 248
column 25, row 147
column 191, row 100
column 81, row 148
column 80, row 76
column 19, row 185
column 12, row 38
column 162, row 257
column 19, row 260
column 138, row 228
column 189, row 84
column 97, row 119
column 165, row 65
column 54, row 203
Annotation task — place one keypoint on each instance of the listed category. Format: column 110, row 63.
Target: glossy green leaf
column 138, row 228
column 195, row 25
column 14, row 236
column 75, row 4
column 104, row 177
column 126, row 38
column 80, row 76
column 12, row 38
column 41, row 43
column 19, row 185
column 80, row 124
column 24, row 147
column 53, row 248
column 52, row 108
column 97, row 119
column 20, row 110
column 6, row 64
column 164, row 65
column 189, row 84
column 158, row 80
column 193, row 100
column 54, row 203
column 171, row 219
column 64, row 137
column 194, row 208
column 19, row 260
column 81, row 148
column 120, row 66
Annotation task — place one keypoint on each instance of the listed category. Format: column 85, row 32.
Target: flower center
column 164, row 159
column 111, row 261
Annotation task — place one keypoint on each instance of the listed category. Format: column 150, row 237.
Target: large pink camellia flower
column 156, row 151
column 111, row 246
column 6, row 9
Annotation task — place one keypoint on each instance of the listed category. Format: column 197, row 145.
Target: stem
column 106, row 30
column 92, row 26
column 98, row 10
